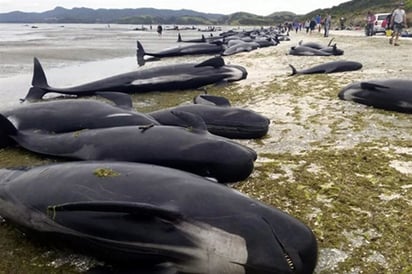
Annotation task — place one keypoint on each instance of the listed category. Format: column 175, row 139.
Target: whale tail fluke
column 34, row 94
column 294, row 71
column 39, row 77
column 140, row 53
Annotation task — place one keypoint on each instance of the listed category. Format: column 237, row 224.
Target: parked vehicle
column 379, row 19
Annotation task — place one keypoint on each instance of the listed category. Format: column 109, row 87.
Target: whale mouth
column 236, row 73
column 288, row 258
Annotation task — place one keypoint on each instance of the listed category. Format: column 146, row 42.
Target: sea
column 73, row 54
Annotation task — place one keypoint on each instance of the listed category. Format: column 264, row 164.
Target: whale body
column 141, row 215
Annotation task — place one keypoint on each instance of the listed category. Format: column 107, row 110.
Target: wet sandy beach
column 342, row 168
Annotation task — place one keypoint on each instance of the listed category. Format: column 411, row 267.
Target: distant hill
column 353, row 11
column 141, row 16
column 86, row 15
column 243, row 18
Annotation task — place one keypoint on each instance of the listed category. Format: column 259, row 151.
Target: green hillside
column 355, row 11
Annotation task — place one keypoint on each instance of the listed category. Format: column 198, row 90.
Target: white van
column 379, row 18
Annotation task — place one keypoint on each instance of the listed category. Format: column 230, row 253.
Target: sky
column 259, row 7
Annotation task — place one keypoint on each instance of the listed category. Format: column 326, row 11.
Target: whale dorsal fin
column 39, row 77
column 215, row 62
column 140, row 53
column 294, row 70
column 206, row 99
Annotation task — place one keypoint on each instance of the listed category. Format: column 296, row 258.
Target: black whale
column 192, row 149
column 220, row 118
column 138, row 214
column 391, row 94
column 161, row 78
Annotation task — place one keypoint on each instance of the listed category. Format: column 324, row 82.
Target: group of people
column 395, row 21
column 310, row 25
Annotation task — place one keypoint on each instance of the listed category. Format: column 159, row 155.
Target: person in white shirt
column 398, row 22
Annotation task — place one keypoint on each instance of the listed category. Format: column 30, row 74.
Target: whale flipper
column 120, row 99
column 132, row 208
column 191, row 120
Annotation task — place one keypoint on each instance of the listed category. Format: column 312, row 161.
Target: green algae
column 336, row 191
column 21, row 253
column 105, row 172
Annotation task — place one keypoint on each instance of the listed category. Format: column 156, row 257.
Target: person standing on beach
column 307, row 25
column 370, row 21
column 398, row 22
column 318, row 19
column 326, row 24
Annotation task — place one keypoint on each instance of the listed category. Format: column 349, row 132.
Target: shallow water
column 74, row 54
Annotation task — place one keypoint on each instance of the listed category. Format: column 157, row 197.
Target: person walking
column 398, row 22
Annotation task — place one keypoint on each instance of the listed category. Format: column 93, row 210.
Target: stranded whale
column 329, row 67
column 59, row 116
column 192, row 149
column 220, row 118
column 141, row 215
column 392, row 94
column 161, row 78
column 195, row 49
